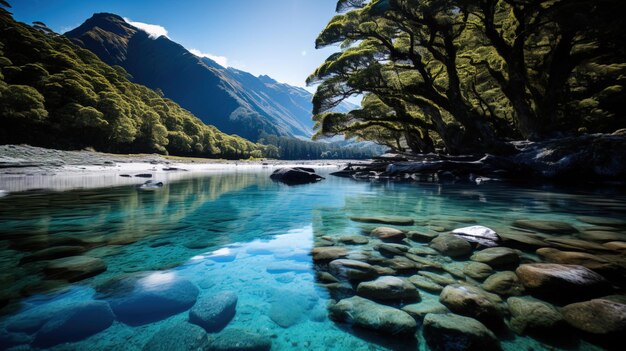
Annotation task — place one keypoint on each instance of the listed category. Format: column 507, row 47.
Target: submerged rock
column 370, row 315
column 615, row 245
column 478, row 270
column 439, row 278
column 550, row 227
column 561, row 281
column 352, row 270
column 593, row 262
column 213, row 313
column 393, row 220
column 181, row 336
column 354, row 240
column 325, row 277
column 423, row 250
column 604, row 316
column 473, row 302
column 497, row 257
column 478, row 234
column 295, row 175
column 392, row 249
column 388, row 234
column 451, row 332
column 328, row 253
column 533, row 315
column 575, row 244
column 425, row 283
column 451, row 245
column 52, row 253
column 522, row 240
column 504, row 283
column 240, row 340
column 289, row 307
column 603, row 221
column 420, row 236
column 75, row 268
column 602, row 235
column 421, row 309
column 388, row 288
column 75, row 323
column 149, row 297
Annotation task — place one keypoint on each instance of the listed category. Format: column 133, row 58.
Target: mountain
column 55, row 94
column 233, row 100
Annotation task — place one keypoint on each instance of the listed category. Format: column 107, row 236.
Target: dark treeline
column 55, row 94
column 467, row 75
column 288, row 148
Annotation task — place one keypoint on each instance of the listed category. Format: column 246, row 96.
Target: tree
column 23, row 103
column 470, row 73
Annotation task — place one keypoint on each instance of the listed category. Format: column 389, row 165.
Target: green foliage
column 21, row 102
column 289, row 148
column 468, row 74
column 55, row 94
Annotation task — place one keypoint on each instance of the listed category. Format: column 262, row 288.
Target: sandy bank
column 24, row 168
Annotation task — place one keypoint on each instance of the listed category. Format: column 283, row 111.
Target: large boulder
column 367, row 314
column 240, row 340
column 295, row 175
column 388, row 288
column 75, row 323
column 604, row 316
column 532, row 315
column 451, row 245
column 74, row 268
column 497, row 257
column 181, row 336
column 352, row 270
column 473, row 302
column 213, row 313
column 451, row 332
column 560, row 281
column 478, row 234
column 147, row 298
column 504, row 283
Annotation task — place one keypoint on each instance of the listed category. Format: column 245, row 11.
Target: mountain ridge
column 233, row 100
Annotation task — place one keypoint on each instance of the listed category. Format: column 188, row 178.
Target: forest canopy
column 55, row 94
column 467, row 75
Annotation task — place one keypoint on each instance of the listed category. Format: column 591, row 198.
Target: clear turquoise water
column 232, row 232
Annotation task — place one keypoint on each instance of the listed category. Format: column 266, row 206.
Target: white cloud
column 221, row 60
column 153, row 30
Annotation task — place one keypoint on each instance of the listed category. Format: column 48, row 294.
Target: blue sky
column 273, row 37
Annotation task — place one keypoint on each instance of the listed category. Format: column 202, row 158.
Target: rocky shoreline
column 387, row 279
column 589, row 158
